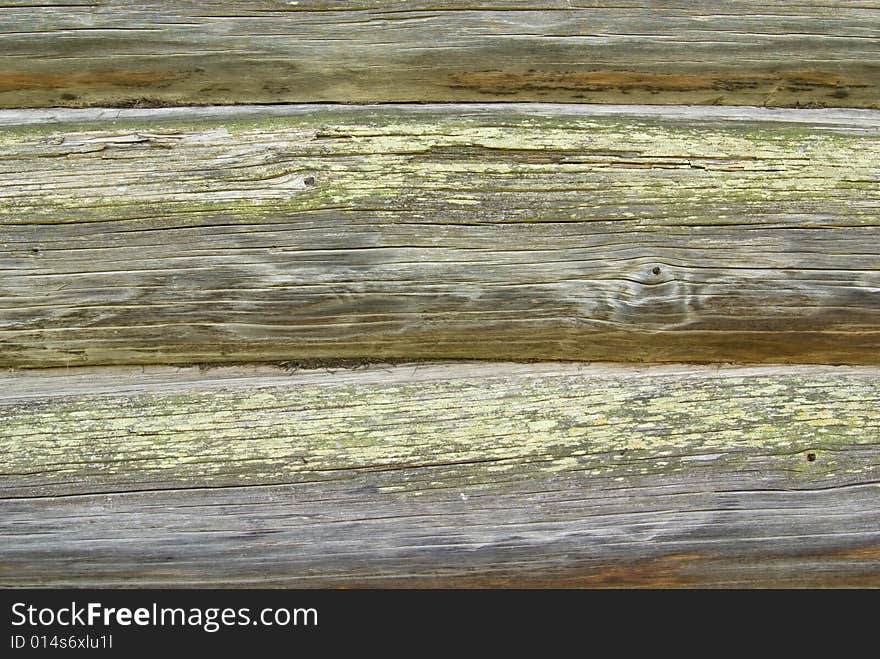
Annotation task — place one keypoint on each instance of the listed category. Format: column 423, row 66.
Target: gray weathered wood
column 87, row 52
column 499, row 231
column 441, row 475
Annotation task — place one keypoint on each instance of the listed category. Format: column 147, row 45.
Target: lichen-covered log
column 441, row 475
column 506, row 232
column 86, row 52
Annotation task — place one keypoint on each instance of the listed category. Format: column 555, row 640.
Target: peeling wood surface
column 441, row 475
column 88, row 52
column 487, row 231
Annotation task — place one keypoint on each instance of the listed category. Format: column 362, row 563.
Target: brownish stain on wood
column 859, row 553
column 661, row 572
column 696, row 570
column 17, row 81
column 496, row 82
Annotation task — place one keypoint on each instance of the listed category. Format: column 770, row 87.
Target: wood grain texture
column 441, row 475
column 87, row 52
column 499, row 231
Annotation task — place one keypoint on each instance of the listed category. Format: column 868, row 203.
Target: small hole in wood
column 811, row 457
column 309, row 180
column 656, row 270
column 36, row 250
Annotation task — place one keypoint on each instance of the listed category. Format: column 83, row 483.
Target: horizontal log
column 499, row 231
column 441, row 475
column 812, row 53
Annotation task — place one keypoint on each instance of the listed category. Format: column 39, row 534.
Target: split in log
column 435, row 232
column 813, row 53
column 441, row 475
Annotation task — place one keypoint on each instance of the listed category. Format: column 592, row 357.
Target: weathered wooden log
column 504, row 232
column 441, row 475
column 80, row 52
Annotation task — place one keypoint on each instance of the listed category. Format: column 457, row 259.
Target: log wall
column 439, row 294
